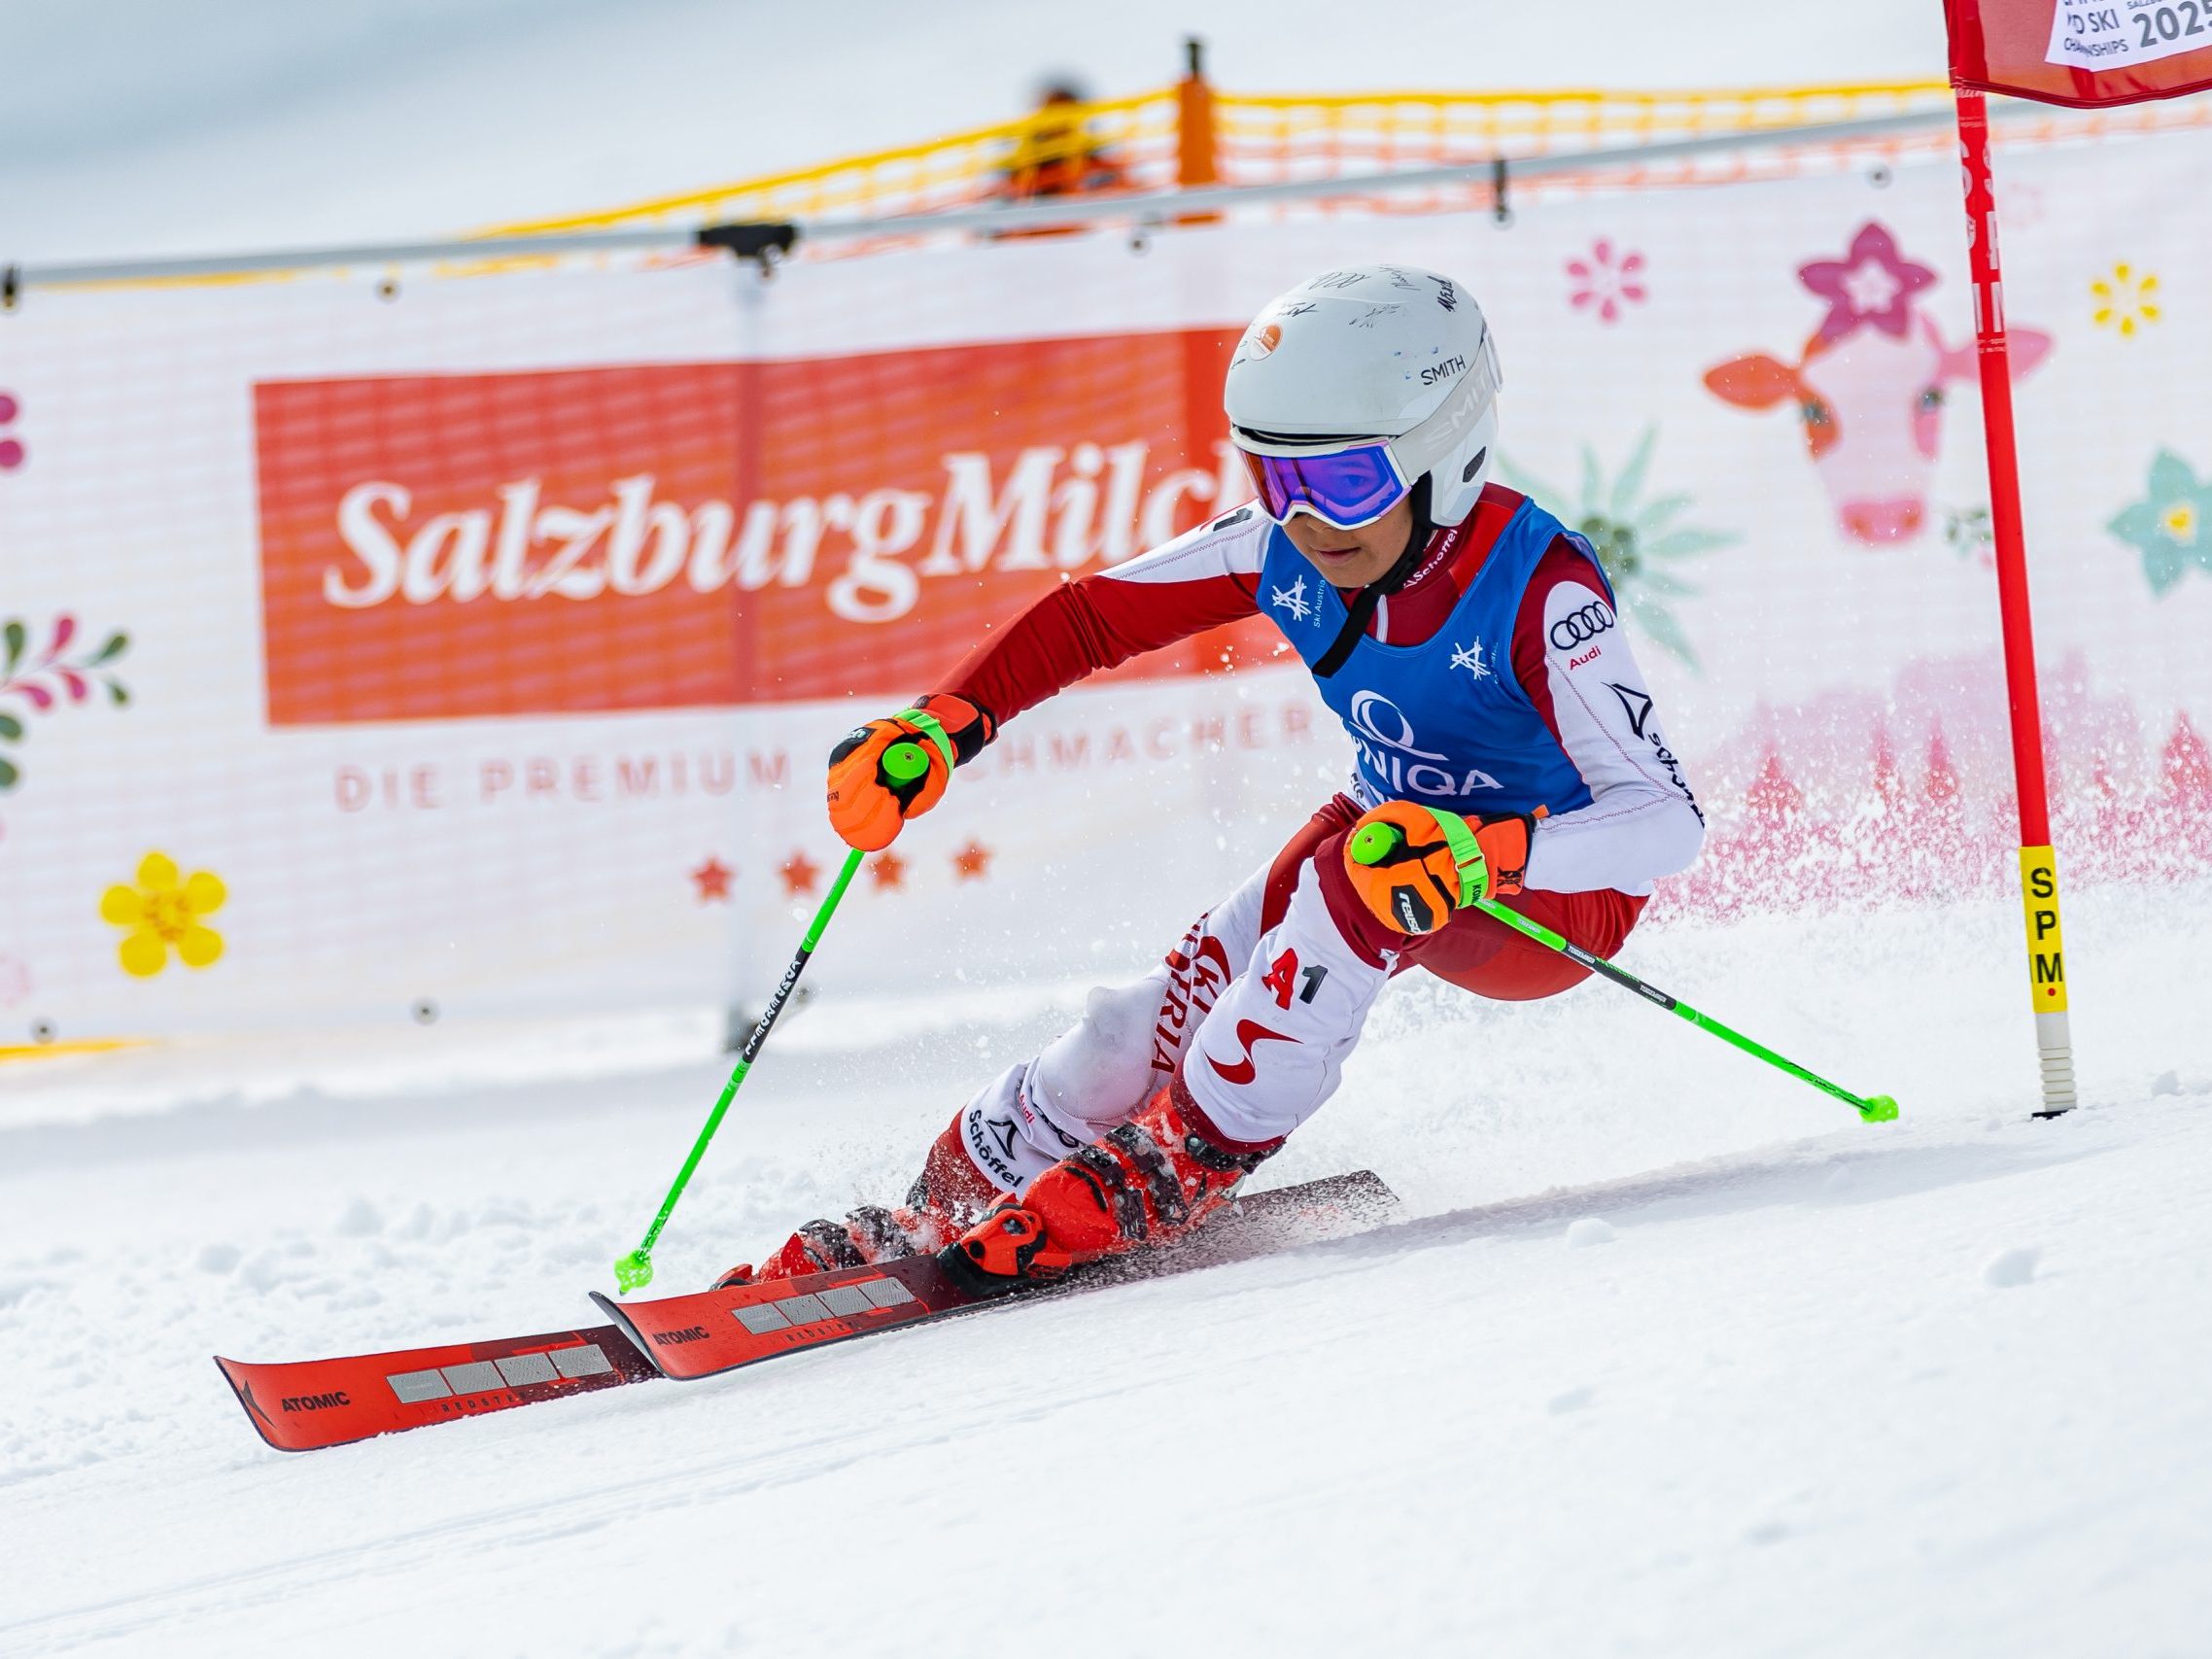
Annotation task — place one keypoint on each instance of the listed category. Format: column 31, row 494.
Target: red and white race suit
column 1267, row 993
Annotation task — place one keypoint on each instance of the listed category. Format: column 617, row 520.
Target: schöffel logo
column 982, row 1144
column 316, row 1402
column 690, row 1333
column 652, row 536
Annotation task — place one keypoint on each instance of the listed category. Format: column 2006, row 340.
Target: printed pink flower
column 1606, row 283
column 11, row 449
column 1872, row 283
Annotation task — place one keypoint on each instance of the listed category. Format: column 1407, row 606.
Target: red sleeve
column 1096, row 623
column 1562, row 561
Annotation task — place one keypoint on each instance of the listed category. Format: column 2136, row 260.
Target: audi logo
column 1576, row 625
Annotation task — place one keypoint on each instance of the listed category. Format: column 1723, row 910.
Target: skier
column 1502, row 734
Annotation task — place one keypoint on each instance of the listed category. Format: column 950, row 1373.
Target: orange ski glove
column 1416, row 866
column 871, row 798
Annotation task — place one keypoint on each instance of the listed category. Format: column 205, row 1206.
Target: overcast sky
column 164, row 125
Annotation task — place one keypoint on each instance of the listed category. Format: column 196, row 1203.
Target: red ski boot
column 1151, row 1181
column 947, row 1196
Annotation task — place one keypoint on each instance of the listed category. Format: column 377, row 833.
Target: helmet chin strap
column 1362, row 609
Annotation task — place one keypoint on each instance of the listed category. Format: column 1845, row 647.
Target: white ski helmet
column 1373, row 352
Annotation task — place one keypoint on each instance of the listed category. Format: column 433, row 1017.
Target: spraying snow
column 1829, row 1388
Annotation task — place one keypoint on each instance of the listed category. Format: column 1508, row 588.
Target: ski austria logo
column 1197, row 970
column 1391, row 750
column 1293, row 601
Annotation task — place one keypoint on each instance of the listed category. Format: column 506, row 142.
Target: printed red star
column 799, row 873
column 889, row 871
column 972, row 863
column 712, row 878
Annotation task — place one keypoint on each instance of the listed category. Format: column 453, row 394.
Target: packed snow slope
column 145, row 126
column 1667, row 1355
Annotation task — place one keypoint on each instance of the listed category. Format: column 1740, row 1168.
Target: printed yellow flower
column 2123, row 299
column 161, row 912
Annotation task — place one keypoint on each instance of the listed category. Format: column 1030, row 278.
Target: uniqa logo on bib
column 1391, row 752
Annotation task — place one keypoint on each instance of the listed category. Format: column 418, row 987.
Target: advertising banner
column 470, row 646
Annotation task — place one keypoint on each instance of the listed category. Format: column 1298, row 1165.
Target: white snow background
column 1669, row 1354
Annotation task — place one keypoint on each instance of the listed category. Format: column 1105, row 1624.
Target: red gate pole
column 2038, row 864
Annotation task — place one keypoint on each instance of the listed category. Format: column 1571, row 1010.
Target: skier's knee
column 1099, row 1070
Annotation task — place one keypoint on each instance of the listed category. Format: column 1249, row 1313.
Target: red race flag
column 2083, row 52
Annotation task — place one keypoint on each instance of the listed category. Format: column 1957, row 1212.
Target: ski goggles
column 1347, row 487
column 1352, row 481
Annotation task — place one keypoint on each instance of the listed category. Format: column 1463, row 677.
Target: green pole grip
column 934, row 730
column 1372, row 844
column 1377, row 843
column 904, row 762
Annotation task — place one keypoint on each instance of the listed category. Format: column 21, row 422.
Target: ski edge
column 936, row 1294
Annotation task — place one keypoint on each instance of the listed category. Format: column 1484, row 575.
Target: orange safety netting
column 1121, row 144
column 1132, row 143
column 1191, row 134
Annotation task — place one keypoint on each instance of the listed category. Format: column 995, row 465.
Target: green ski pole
column 902, row 763
column 1381, row 842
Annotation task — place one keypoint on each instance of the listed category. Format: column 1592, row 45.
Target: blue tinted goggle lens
column 1344, row 486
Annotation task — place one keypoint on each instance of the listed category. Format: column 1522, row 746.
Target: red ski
column 310, row 1404
column 305, row 1404
column 706, row 1332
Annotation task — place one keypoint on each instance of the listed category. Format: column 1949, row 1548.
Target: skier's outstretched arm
column 1571, row 656
column 1196, row 583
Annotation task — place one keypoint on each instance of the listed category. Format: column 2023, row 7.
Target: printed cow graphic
column 1869, row 386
